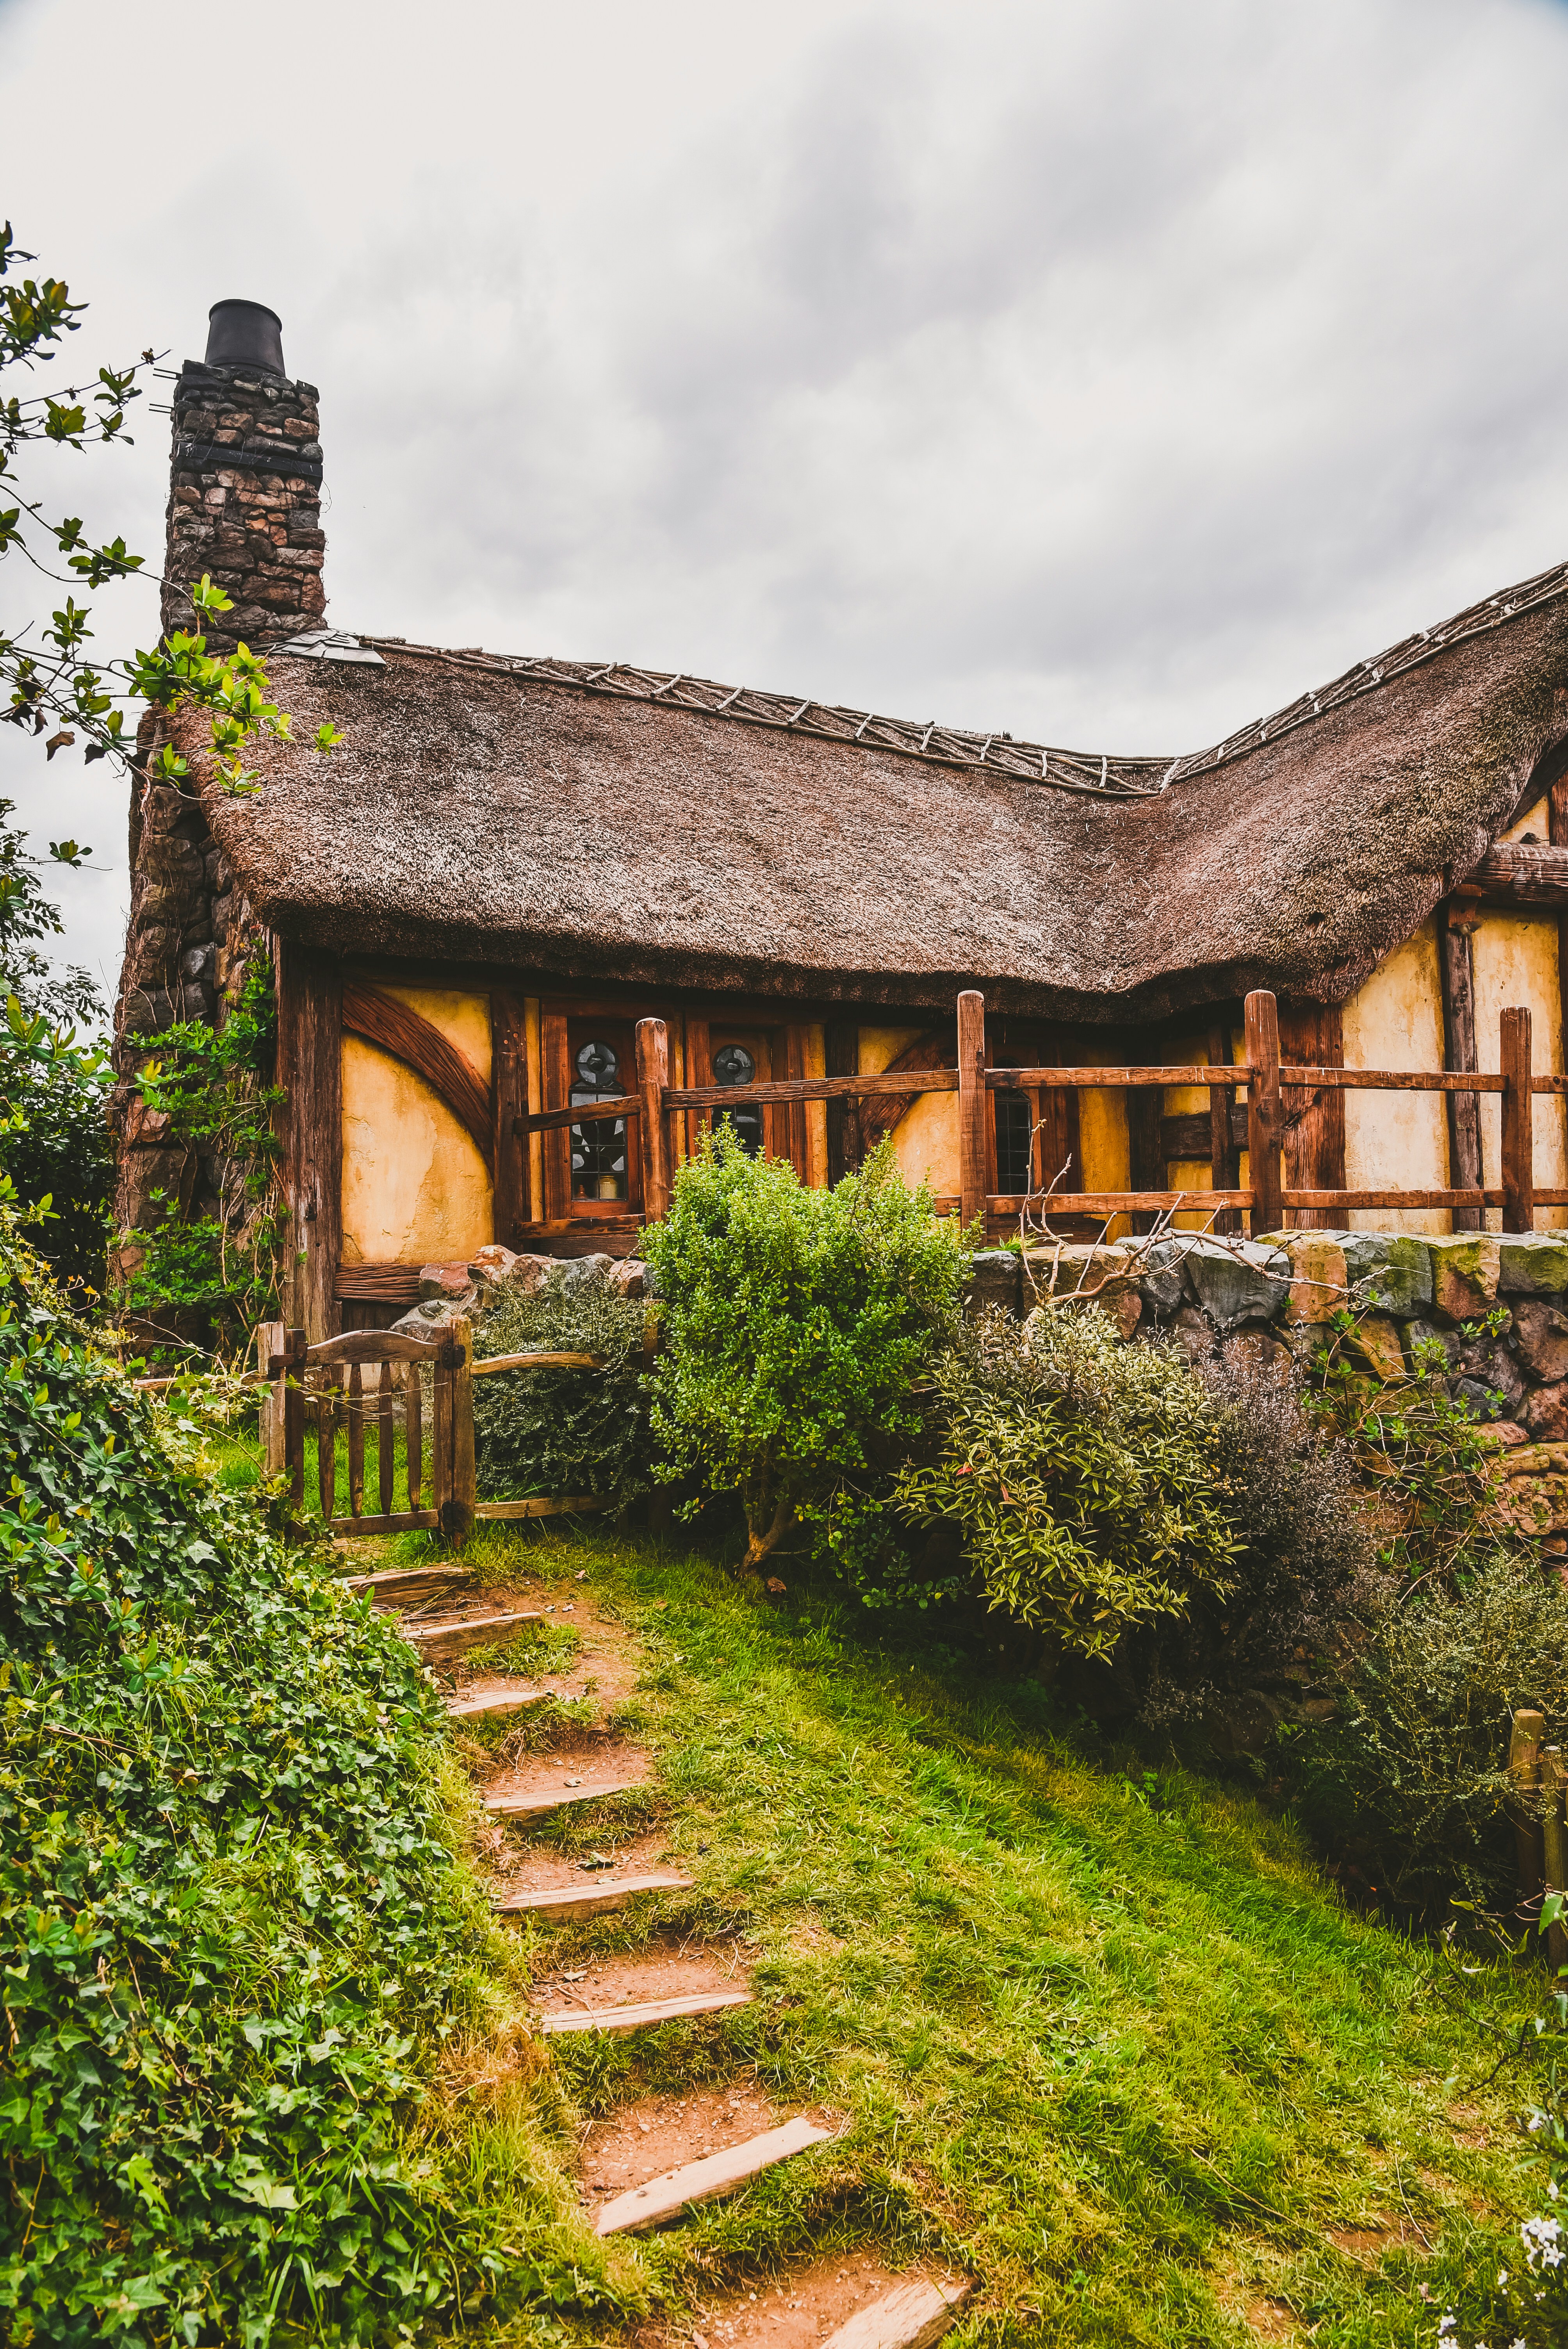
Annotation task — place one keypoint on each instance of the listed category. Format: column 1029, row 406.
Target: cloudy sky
column 1098, row 369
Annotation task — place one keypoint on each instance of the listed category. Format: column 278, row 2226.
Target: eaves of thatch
column 603, row 824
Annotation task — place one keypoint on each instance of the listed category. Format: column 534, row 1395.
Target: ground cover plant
column 558, row 1432
column 1097, row 2032
column 240, row 1943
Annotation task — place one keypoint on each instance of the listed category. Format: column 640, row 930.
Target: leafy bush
column 795, row 1322
column 560, row 1432
column 1413, row 1766
column 1303, row 1560
column 1083, row 1475
column 236, row 1938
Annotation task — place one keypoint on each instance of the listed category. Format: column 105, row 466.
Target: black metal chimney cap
column 245, row 334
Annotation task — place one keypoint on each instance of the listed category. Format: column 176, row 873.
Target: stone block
column 1502, row 1436
column 528, row 1273
column 573, row 1272
column 995, row 1278
column 1377, row 1340
column 1531, row 1505
column 1077, row 1269
column 1465, row 1271
column 444, row 1280
column 1191, row 1331
column 1481, row 1402
column 1161, row 1275
column 1545, row 1413
column 631, row 1278
column 491, row 1264
column 1241, row 1281
column 1540, row 1339
column 1319, row 1277
column 1533, row 1264
column 1492, row 1365
column 1391, row 1270
column 1421, row 1333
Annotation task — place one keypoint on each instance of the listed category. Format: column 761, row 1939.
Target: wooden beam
column 561, row 1903
column 442, row 1642
column 647, row 2013
column 973, row 1108
column 309, row 1071
column 1523, row 875
column 1455, row 965
column 1188, row 1136
column 494, row 1363
column 488, row 1512
column 1518, row 1122
column 509, row 1103
column 395, row 1028
column 1145, row 1152
column 540, row 1806
column 1265, row 1112
column 913, row 2315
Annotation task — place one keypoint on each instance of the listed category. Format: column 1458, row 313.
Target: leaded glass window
column 598, row 1144
column 1014, row 1128
column 734, row 1065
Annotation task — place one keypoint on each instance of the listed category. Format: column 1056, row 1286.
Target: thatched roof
column 602, row 823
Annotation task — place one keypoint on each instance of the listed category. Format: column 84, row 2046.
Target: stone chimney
column 244, row 499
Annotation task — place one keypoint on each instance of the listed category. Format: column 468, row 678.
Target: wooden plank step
column 439, row 1643
column 651, row 2012
column 700, row 2181
column 587, row 1899
column 475, row 1708
column 540, row 1806
column 410, row 1586
column 910, row 2316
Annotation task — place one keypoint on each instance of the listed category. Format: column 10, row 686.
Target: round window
column 598, row 1067
column 733, row 1065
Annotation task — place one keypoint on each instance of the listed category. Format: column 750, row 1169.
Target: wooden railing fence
column 1264, row 1078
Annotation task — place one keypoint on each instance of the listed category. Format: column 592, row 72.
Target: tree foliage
column 560, row 1432
column 795, row 1322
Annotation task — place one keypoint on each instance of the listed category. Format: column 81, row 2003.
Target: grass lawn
column 1102, row 2035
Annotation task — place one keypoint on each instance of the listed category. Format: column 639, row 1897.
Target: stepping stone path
column 913, row 2313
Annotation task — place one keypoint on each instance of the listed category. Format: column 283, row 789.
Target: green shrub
column 1304, row 1559
column 236, row 1937
column 795, row 1322
column 562, row 1431
column 1413, row 1765
column 1083, row 1476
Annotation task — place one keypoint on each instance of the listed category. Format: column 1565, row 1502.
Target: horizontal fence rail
column 1251, row 1092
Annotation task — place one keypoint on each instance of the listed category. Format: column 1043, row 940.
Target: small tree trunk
column 760, row 1545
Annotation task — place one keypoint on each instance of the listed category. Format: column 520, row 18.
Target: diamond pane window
column 733, row 1065
column 598, row 1144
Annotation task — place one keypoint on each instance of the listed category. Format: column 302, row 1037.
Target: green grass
column 1100, row 2035
column 1110, row 2045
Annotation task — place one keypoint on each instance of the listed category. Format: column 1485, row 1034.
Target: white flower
column 1542, row 2241
column 1552, row 2187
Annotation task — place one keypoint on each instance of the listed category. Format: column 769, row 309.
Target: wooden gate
column 351, row 1383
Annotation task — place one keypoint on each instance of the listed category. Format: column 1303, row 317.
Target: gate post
column 452, row 1471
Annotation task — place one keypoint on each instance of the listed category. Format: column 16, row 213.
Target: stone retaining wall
column 1495, row 1304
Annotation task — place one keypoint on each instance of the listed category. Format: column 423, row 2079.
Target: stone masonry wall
column 1495, row 1304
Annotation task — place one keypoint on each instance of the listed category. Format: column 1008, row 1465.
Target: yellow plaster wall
column 816, row 1060
column 1535, row 820
column 1104, row 1149
column 1515, row 958
column 414, row 1188
column 1398, row 1141
column 926, row 1139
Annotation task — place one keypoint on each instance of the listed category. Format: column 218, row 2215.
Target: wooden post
column 1457, row 964
column 1146, row 1165
column 457, row 1502
column 1266, row 1113
column 843, row 1056
column 271, row 1338
column 654, row 1141
column 1224, row 1170
column 1312, row 1036
column 1524, row 1777
column 508, row 1101
column 292, row 1383
column 971, row 1108
column 309, row 1071
column 1518, row 1122
column 1553, row 1776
